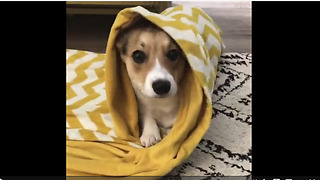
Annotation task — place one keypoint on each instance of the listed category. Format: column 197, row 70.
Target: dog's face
column 155, row 63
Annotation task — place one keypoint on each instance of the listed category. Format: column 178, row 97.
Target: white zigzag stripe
column 106, row 118
column 84, row 59
column 77, row 88
column 187, row 10
column 211, row 41
column 146, row 13
column 198, row 65
column 70, row 53
column 93, row 103
column 202, row 22
column 167, row 11
column 200, row 26
column 201, row 43
column 102, row 137
column 84, row 119
column 71, row 74
column 74, row 134
column 81, row 93
column 187, row 21
column 67, row 124
column 91, row 76
column 97, row 65
column 90, row 106
column 207, row 93
column 99, row 88
column 214, row 61
column 135, row 145
column 177, row 34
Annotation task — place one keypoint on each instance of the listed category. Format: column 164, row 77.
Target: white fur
column 159, row 73
column 150, row 131
column 155, row 112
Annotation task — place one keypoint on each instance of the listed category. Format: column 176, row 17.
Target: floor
column 90, row 32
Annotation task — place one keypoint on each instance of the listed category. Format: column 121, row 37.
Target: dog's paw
column 150, row 138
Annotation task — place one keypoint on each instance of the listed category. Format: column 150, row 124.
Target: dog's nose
column 161, row 87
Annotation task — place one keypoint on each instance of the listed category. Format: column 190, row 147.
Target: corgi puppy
column 155, row 66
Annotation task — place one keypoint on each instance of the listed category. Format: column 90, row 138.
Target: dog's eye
column 138, row 56
column 173, row 54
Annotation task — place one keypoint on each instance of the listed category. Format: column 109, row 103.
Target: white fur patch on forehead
column 158, row 72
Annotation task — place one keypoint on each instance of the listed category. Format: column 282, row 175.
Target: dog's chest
column 164, row 111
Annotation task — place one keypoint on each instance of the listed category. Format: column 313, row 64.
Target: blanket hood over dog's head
column 115, row 150
column 192, row 29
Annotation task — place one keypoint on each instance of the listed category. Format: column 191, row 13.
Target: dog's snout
column 161, row 87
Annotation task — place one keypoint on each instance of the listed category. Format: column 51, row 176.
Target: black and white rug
column 226, row 148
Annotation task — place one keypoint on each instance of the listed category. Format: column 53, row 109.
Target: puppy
column 155, row 65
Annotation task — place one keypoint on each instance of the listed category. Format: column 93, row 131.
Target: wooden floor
column 90, row 32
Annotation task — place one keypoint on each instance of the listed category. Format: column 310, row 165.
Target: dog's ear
column 122, row 38
column 135, row 18
column 121, row 43
column 121, row 46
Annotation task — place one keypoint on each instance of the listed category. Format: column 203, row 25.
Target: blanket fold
column 102, row 112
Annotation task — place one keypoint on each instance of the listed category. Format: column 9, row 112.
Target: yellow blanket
column 102, row 115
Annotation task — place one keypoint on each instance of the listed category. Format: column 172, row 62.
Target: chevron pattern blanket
column 102, row 118
column 225, row 150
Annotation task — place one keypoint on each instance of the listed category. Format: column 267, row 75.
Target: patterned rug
column 225, row 150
